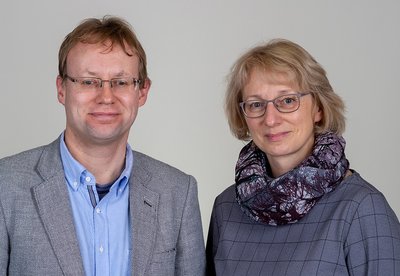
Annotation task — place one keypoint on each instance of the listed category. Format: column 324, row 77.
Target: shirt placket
column 101, row 238
column 100, row 228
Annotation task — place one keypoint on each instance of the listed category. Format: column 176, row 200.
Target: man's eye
column 120, row 82
column 89, row 82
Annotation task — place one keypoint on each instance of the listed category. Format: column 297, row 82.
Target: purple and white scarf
column 286, row 199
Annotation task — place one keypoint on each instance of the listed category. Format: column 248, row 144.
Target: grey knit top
column 350, row 231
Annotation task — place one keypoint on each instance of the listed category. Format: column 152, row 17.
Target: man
column 87, row 204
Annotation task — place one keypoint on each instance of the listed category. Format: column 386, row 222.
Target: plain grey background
column 191, row 46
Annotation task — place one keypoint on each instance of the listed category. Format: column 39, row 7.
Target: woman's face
column 286, row 138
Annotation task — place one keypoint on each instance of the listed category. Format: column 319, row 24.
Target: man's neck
column 104, row 161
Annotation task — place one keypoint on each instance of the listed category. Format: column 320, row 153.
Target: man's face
column 103, row 115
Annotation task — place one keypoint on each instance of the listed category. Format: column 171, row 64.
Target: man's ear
column 144, row 91
column 60, row 90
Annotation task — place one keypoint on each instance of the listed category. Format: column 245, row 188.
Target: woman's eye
column 254, row 105
column 288, row 100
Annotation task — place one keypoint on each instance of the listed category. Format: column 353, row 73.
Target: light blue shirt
column 102, row 227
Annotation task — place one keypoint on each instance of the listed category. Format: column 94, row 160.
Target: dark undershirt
column 102, row 190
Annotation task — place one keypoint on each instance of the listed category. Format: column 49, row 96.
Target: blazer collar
column 55, row 211
column 143, row 214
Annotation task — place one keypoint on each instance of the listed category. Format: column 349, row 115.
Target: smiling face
column 286, row 138
column 100, row 116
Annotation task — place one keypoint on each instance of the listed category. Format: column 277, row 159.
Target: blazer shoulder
column 26, row 164
column 156, row 166
column 162, row 175
column 18, row 174
column 24, row 159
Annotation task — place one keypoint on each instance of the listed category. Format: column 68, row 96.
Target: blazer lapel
column 143, row 204
column 55, row 211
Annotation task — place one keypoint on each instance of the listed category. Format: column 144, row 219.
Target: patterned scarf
column 286, row 199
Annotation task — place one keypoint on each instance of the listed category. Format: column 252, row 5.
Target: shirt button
column 101, row 249
column 88, row 179
column 98, row 211
column 75, row 184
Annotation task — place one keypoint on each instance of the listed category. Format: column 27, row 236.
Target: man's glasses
column 284, row 104
column 93, row 84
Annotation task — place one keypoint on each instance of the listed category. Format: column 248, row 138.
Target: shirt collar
column 76, row 173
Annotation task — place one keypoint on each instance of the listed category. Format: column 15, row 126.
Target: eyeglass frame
column 135, row 82
column 299, row 95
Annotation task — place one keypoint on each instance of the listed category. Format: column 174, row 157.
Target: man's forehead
column 105, row 47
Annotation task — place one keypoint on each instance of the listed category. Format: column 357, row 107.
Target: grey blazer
column 37, row 232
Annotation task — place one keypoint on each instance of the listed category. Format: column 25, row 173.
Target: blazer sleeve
column 373, row 242
column 190, row 259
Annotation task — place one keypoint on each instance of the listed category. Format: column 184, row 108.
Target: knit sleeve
column 373, row 243
column 212, row 241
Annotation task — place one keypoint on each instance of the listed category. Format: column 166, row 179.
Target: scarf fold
column 288, row 198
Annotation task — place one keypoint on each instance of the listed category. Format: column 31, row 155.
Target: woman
column 296, row 207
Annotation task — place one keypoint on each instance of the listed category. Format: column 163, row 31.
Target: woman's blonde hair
column 279, row 58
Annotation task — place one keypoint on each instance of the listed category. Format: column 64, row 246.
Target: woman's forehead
column 275, row 77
